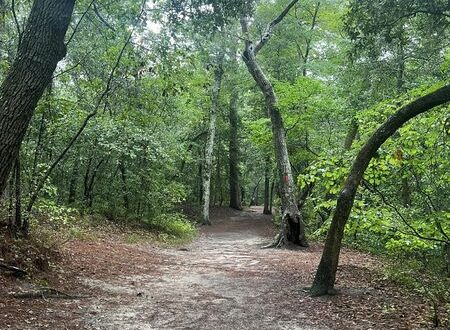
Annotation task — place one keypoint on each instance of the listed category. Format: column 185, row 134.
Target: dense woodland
column 332, row 114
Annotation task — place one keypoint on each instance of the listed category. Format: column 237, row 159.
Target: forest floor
column 223, row 280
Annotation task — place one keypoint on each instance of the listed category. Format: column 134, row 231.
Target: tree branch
column 39, row 187
column 269, row 29
column 16, row 21
column 96, row 11
column 75, row 29
column 400, row 215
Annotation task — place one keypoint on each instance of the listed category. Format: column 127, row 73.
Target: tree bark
column 235, row 190
column 123, row 177
column 326, row 272
column 267, row 173
column 11, row 221
column 292, row 228
column 210, row 141
column 272, row 190
column 89, row 188
column 74, row 181
column 218, row 198
column 351, row 134
column 41, row 48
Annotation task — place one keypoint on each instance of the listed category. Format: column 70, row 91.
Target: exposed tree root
column 319, row 292
column 44, row 293
column 17, row 272
column 278, row 242
column 291, row 233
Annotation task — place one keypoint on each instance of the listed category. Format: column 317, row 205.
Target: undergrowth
column 52, row 226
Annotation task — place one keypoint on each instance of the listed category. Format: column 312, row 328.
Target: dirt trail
column 219, row 282
column 223, row 280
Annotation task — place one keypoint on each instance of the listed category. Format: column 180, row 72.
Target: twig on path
column 44, row 293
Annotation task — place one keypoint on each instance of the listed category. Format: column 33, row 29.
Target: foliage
column 171, row 226
column 145, row 103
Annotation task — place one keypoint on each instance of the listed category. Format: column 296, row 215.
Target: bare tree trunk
column 272, row 190
column 267, row 175
column 200, row 183
column 217, row 182
column 293, row 229
column 9, row 194
column 18, row 192
column 235, row 190
column 73, row 181
column 41, row 48
column 254, row 198
column 89, row 188
column 326, row 272
column 210, row 141
column 39, row 144
column 123, row 177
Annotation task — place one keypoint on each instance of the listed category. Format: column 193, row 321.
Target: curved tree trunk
column 293, row 229
column 206, row 182
column 326, row 272
column 41, row 48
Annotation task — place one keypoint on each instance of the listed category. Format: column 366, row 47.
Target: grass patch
column 172, row 228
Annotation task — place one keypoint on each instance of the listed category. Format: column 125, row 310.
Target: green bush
column 172, row 226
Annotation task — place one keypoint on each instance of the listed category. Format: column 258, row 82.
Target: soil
column 223, row 280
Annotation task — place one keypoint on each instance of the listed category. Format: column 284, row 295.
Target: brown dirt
column 221, row 281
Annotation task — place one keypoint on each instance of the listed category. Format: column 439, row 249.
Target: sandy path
column 222, row 281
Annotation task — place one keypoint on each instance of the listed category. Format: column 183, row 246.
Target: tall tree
column 235, row 190
column 293, row 228
column 215, row 91
column 41, row 48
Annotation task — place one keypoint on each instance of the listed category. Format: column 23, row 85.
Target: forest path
column 223, row 280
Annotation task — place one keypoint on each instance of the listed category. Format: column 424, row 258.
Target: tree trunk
column 73, row 182
column 292, row 228
column 86, row 181
column 89, row 189
column 9, row 194
column 39, row 147
column 217, row 182
column 272, row 190
column 326, row 272
column 351, row 134
column 200, row 183
column 123, row 177
column 267, row 173
column 210, row 142
column 235, row 190
column 41, row 48
column 254, row 199
column 18, row 214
